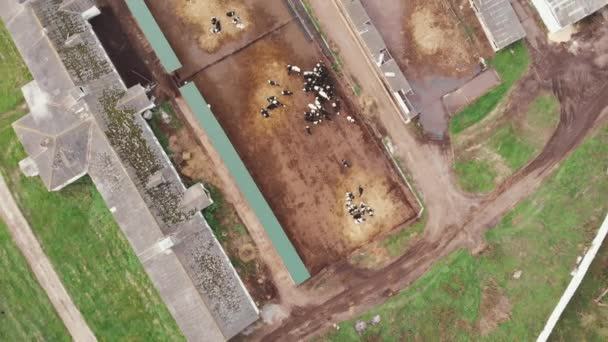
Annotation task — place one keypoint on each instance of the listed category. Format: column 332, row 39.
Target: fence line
column 575, row 282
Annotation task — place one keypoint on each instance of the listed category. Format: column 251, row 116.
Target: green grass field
column 583, row 319
column 26, row 314
column 93, row 259
column 13, row 70
column 510, row 63
column 157, row 123
column 396, row 244
column 475, row 175
column 512, row 147
column 79, row 235
column 503, row 149
column 542, row 236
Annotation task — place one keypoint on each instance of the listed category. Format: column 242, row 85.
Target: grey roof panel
column 45, row 115
column 44, row 162
column 499, row 21
column 373, row 40
column 59, row 158
column 33, row 141
column 558, row 14
column 357, row 13
column 71, row 155
column 200, row 253
column 38, row 52
column 76, row 6
column 135, row 99
column 570, row 11
column 395, row 78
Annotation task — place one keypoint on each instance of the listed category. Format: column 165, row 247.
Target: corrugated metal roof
column 557, row 14
column 499, row 22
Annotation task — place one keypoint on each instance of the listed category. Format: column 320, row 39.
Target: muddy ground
column 580, row 82
column 186, row 25
column 437, row 44
column 129, row 49
column 301, row 176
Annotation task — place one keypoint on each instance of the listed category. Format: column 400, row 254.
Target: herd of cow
column 325, row 104
column 217, row 24
column 358, row 212
column 319, row 82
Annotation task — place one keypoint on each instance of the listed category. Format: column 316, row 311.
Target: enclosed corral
column 301, row 174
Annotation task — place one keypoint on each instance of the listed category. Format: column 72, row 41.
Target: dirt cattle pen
column 300, row 175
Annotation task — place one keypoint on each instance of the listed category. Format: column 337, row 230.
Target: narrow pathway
column 41, row 266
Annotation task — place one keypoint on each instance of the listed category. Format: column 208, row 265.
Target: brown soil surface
column 197, row 165
column 582, row 89
column 301, row 176
column 342, row 291
column 198, row 14
column 495, row 308
column 436, row 37
column 437, row 44
column 439, row 36
column 189, row 35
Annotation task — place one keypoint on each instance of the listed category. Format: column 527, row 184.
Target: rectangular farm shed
column 155, row 36
column 557, row 14
column 392, row 74
column 499, row 22
column 245, row 182
column 83, row 120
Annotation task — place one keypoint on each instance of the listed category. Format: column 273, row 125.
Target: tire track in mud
column 582, row 91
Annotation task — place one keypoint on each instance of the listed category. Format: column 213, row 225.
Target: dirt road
column 41, row 267
column 455, row 221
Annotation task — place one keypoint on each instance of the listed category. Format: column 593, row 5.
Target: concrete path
column 41, row 266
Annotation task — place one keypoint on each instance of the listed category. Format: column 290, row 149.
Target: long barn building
column 557, row 14
column 84, row 121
